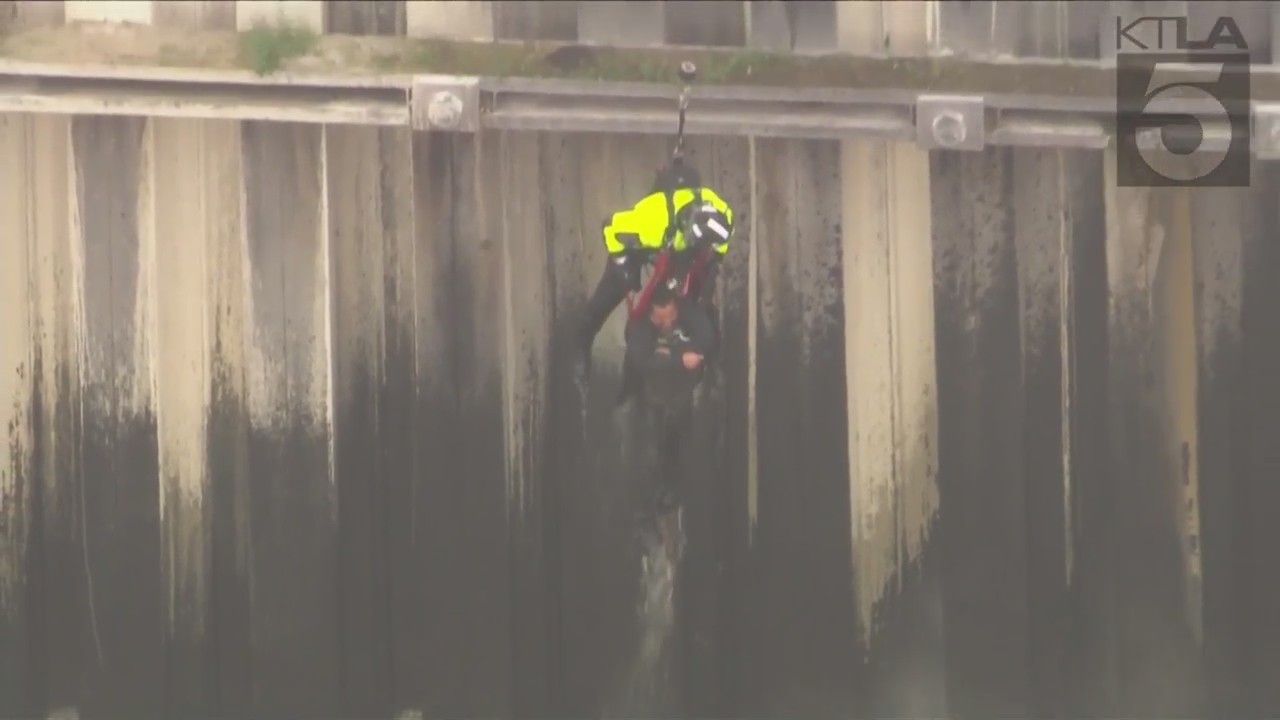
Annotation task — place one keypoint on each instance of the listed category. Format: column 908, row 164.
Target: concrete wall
column 290, row 430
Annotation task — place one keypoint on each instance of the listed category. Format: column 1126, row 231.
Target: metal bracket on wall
column 445, row 102
column 951, row 122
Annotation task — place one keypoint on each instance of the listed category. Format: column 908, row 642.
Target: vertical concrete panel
column 467, row 662
column 544, row 20
column 293, row 503
column 113, row 252
column 1232, row 228
column 480, row 312
column 625, row 23
column 706, row 22
column 1259, row 493
column 1088, row 542
column 980, row 29
column 1047, row 195
column 302, row 13
column 20, row 627
column 426, row 651
column 454, row 19
column 185, row 223
column 981, row 435
column 195, row 14
column 566, row 272
column 370, row 226
column 797, row 25
column 1176, row 382
column 354, row 190
column 892, row 418
column 892, row 411
column 397, row 430
column 56, row 413
column 714, row 464
column 526, row 337
column 118, row 11
column 227, row 443
column 804, row 646
column 1145, row 622
column 367, row 17
column 21, row 14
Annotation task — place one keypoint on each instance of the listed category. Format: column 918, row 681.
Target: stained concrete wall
column 289, row 427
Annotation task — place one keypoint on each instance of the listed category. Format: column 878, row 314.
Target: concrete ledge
column 461, row 103
column 196, row 94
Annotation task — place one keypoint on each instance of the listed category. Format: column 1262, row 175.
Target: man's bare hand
column 692, row 360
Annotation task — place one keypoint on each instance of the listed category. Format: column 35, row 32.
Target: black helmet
column 705, row 225
column 676, row 176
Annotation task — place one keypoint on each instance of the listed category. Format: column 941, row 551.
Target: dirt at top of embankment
column 300, row 51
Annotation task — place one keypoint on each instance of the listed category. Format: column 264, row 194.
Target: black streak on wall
column 1260, row 492
column 981, row 434
column 1239, row 454
column 468, row 660
column 714, row 459
column 1230, row 229
column 21, row 626
column 528, row 310
column 1150, row 636
column 124, row 650
column 563, row 230
column 293, row 581
column 1090, row 669
column 355, row 245
column 398, row 433
column 802, row 655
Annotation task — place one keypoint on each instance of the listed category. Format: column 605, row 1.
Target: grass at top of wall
column 265, row 49
column 298, row 50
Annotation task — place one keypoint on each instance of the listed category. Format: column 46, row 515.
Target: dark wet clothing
column 654, row 361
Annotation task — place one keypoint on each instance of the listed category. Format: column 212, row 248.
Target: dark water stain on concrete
column 293, row 582
column 980, row 434
column 802, row 652
column 119, row 449
column 227, row 430
column 21, row 620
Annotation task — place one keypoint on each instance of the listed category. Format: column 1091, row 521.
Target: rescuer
column 690, row 221
column 681, row 229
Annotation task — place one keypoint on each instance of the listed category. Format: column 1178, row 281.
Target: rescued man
column 667, row 353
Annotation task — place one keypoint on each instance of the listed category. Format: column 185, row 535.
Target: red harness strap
column 693, row 280
column 638, row 306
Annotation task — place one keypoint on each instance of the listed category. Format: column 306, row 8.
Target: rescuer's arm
column 643, row 351
column 699, row 329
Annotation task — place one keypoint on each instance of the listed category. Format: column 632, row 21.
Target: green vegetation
column 266, row 49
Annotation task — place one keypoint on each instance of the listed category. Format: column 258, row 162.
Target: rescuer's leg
column 609, row 292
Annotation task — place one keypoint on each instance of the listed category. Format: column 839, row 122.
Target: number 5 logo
column 1200, row 106
column 1182, row 120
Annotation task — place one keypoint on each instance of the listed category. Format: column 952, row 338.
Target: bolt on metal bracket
column 445, row 102
column 951, row 122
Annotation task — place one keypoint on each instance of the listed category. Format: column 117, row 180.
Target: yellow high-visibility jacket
column 645, row 225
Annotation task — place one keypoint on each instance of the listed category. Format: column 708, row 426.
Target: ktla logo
column 1182, row 119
